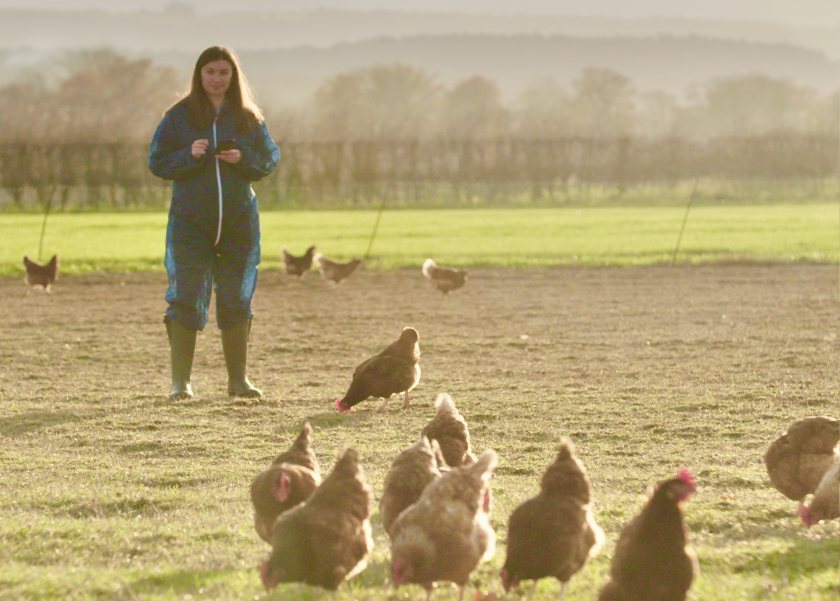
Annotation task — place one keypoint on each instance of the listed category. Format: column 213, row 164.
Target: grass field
column 121, row 242
column 112, row 492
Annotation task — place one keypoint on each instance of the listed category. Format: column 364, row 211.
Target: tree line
column 81, row 138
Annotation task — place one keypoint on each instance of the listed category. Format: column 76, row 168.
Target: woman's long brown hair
column 238, row 98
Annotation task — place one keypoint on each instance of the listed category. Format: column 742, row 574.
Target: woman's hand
column 229, row 156
column 199, row 147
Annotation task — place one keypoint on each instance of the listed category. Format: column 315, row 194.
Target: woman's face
column 215, row 78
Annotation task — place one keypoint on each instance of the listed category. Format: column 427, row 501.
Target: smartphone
column 225, row 145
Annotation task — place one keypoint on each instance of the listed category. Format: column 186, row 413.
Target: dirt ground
column 687, row 331
column 583, row 349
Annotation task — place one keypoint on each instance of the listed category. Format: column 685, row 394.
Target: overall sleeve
column 259, row 157
column 168, row 161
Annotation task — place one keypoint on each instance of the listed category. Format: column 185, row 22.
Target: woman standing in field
column 212, row 143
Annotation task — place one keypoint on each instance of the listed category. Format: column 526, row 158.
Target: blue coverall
column 213, row 234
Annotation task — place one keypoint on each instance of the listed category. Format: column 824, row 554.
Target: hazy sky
column 801, row 12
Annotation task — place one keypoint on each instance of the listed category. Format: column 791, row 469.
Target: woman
column 212, row 143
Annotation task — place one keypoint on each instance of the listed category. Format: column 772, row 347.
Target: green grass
column 120, row 242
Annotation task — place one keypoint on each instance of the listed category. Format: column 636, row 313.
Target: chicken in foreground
column 410, row 473
column 554, row 533
column 798, row 459
column 290, row 479
column 392, row 371
column 445, row 534
column 327, row 539
column 334, row 271
column 652, row 560
column 300, row 452
column 445, row 279
column 41, row 275
column 449, row 428
column 298, row 266
column 276, row 490
column 826, row 502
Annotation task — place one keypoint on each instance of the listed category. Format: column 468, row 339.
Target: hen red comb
column 487, row 501
column 282, row 491
column 805, row 515
column 263, row 567
column 687, row 478
column 339, row 408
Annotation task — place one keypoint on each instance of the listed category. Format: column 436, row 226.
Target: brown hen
column 334, row 271
column 290, row 479
column 41, row 275
column 300, row 452
column 445, row 279
column 327, row 539
column 449, row 428
column 797, row 460
column 445, row 534
column 410, row 473
column 826, row 502
column 298, row 266
column 652, row 560
column 554, row 533
column 392, row 371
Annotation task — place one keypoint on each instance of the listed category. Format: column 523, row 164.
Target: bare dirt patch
column 659, row 357
column 716, row 332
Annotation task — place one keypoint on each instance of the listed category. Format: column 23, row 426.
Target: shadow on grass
column 192, row 582
column 177, row 581
column 197, row 402
column 377, row 575
column 141, row 448
column 366, row 412
column 31, row 421
column 175, row 481
column 802, row 559
column 141, row 506
column 330, row 419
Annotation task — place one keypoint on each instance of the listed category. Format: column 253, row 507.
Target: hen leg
column 562, row 589
column 407, row 400
column 384, row 405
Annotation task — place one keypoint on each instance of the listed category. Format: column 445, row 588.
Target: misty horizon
column 822, row 13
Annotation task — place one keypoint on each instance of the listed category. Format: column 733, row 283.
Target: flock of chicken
column 435, row 508
column 436, row 502
column 331, row 270
column 445, row 279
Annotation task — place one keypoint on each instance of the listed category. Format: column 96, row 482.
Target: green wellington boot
column 182, row 349
column 235, row 346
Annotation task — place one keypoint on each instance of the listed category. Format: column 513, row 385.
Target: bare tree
column 109, row 97
column 544, row 110
column 473, row 110
column 748, row 106
column 394, row 102
column 603, row 103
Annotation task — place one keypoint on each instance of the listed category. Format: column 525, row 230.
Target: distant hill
column 664, row 62
column 182, row 28
column 288, row 54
